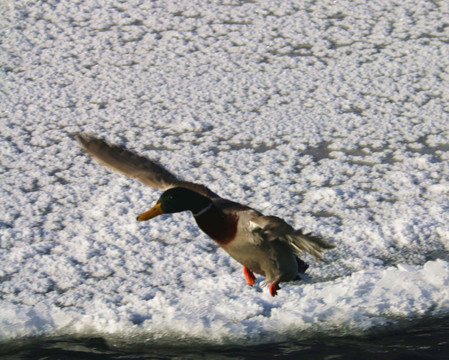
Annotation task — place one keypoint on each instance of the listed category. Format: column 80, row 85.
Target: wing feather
column 135, row 166
column 301, row 243
column 273, row 228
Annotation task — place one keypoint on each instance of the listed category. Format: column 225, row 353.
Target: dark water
column 427, row 340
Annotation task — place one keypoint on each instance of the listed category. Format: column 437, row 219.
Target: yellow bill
column 153, row 212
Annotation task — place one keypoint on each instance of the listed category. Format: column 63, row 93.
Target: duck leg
column 273, row 289
column 249, row 276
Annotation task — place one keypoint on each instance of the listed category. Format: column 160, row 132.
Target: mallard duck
column 265, row 245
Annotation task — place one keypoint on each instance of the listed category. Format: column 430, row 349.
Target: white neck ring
column 203, row 210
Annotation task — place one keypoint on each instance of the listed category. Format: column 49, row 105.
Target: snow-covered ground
column 333, row 115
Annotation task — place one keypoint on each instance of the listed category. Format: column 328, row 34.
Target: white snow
column 331, row 115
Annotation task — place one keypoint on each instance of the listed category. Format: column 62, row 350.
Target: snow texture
column 331, row 115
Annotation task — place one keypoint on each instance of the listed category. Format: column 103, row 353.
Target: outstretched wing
column 135, row 166
column 273, row 228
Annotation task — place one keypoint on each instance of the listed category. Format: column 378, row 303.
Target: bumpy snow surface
column 330, row 114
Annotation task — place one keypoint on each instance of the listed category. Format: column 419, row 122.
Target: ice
column 331, row 115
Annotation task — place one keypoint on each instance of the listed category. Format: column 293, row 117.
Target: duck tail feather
column 304, row 277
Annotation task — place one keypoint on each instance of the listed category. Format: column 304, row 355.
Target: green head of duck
column 175, row 200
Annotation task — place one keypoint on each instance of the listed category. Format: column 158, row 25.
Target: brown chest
column 219, row 226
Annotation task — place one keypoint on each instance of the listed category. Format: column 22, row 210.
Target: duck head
column 175, row 200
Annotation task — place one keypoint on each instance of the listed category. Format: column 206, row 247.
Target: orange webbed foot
column 249, row 276
column 273, row 289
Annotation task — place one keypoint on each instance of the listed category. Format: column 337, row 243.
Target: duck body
column 230, row 227
column 265, row 245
